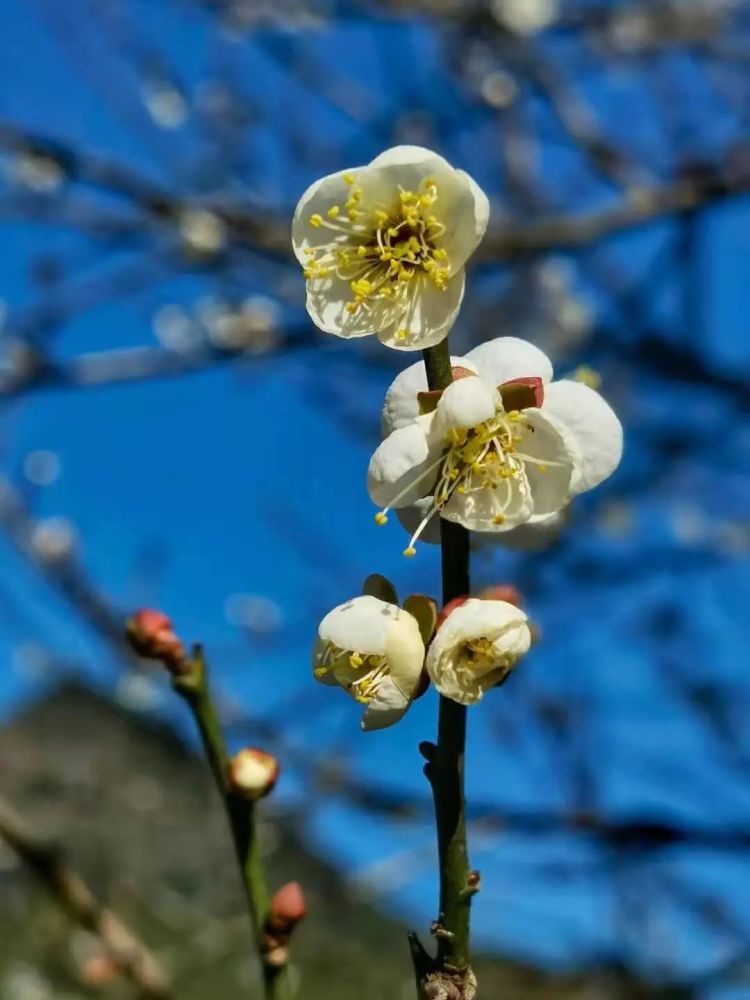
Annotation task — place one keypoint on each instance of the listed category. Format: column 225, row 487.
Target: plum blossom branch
column 241, row 780
column 127, row 953
column 445, row 768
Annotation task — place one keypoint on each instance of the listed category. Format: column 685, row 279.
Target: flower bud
column 152, row 635
column 450, row 606
column 502, row 592
column 285, row 912
column 287, row 908
column 253, row 773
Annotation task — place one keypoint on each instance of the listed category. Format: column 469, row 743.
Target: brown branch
column 686, row 194
column 129, row 955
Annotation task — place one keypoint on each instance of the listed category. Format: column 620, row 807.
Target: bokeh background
column 175, row 432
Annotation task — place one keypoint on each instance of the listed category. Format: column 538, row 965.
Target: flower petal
column 405, row 651
column 405, row 157
column 401, row 404
column 404, row 458
column 552, row 463
column 591, row 427
column 361, row 625
column 386, row 708
column 464, row 209
column 430, row 317
column 317, row 199
column 326, row 303
column 465, row 403
column 507, row 358
column 477, row 508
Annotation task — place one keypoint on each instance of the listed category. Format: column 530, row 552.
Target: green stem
column 446, row 768
column 194, row 688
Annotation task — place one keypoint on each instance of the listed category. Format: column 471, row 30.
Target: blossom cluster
column 378, row 653
column 503, row 449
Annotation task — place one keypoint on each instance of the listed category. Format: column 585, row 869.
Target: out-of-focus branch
column 689, row 193
column 135, row 364
column 129, row 955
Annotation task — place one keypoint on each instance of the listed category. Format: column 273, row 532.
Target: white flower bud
column 253, row 773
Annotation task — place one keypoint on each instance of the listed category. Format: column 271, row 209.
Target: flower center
column 359, row 673
column 382, row 250
column 482, row 459
column 479, row 653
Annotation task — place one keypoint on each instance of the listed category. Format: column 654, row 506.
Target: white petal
column 402, row 459
column 478, row 619
column 413, row 515
column 542, row 440
column 477, row 509
column 405, row 651
column 326, row 303
column 462, row 207
column 430, row 318
column 361, row 625
column 465, row 403
column 507, row 358
column 409, row 156
column 401, row 405
column 317, row 199
column 593, row 426
column 387, row 707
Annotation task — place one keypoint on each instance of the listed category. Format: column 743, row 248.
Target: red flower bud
column 253, row 773
column 450, row 606
column 502, row 592
column 287, row 908
column 152, row 635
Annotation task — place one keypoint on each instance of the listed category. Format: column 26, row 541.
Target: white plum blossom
column 502, row 446
column 374, row 651
column 475, row 648
column 383, row 247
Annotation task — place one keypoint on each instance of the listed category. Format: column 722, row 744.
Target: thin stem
column 194, row 688
column 446, row 768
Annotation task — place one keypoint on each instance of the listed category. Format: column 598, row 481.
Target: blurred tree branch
column 130, row 956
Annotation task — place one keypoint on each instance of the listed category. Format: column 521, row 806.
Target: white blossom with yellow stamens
column 480, row 459
column 374, row 651
column 383, row 247
column 476, row 647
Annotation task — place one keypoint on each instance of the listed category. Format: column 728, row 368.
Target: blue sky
column 250, row 480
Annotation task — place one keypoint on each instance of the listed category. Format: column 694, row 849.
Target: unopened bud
column 287, row 908
column 152, row 635
column 450, row 606
column 502, row 592
column 98, row 970
column 253, row 773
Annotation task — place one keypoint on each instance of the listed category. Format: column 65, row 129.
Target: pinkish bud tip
column 253, row 773
column 288, row 906
column 449, row 607
column 503, row 592
column 151, row 634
